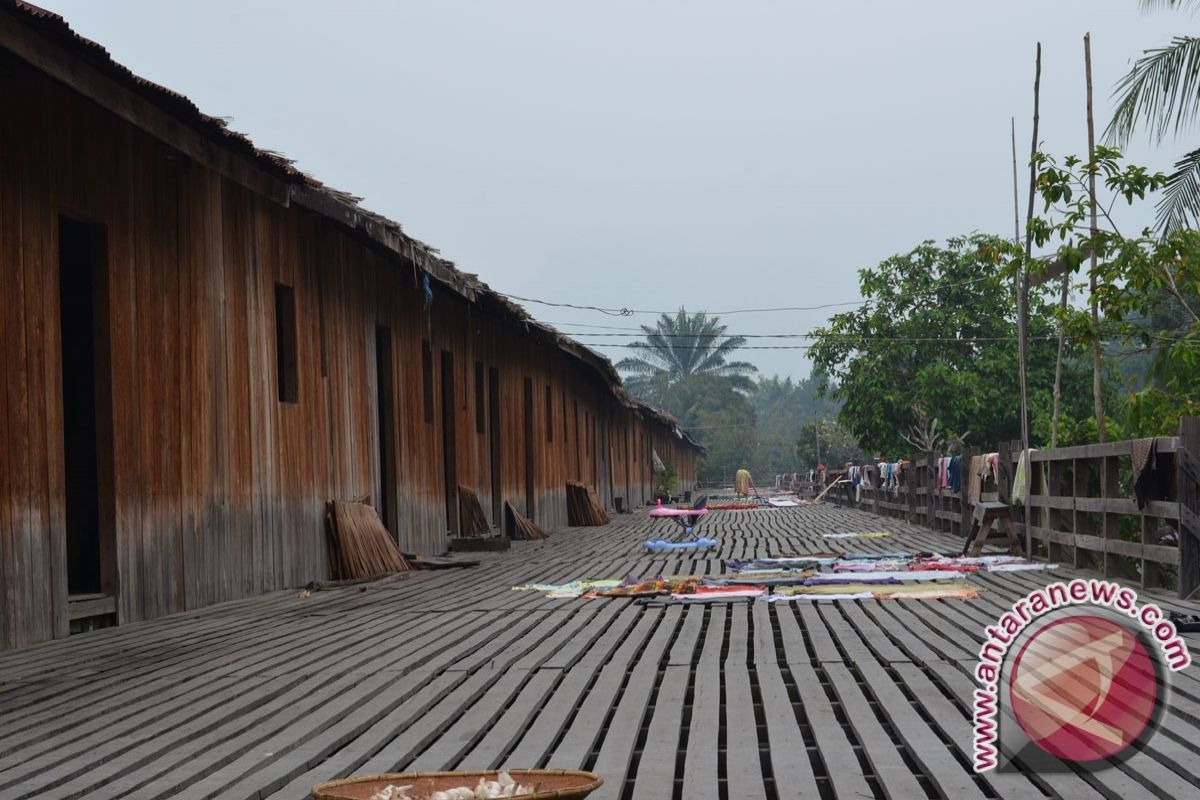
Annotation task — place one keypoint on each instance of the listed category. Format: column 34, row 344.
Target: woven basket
column 548, row 784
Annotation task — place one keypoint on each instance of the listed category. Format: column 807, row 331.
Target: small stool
column 983, row 523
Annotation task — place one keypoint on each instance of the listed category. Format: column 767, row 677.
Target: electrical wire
column 629, row 312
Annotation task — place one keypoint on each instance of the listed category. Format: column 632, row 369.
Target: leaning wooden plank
column 519, row 526
column 363, row 547
column 470, row 513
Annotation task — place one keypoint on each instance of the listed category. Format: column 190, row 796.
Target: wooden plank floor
column 262, row 698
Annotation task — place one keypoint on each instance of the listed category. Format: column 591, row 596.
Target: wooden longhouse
column 201, row 346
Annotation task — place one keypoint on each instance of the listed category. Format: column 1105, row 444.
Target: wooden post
column 1187, row 482
column 1097, row 365
column 930, row 490
column 965, row 509
column 1023, row 276
column 1003, row 487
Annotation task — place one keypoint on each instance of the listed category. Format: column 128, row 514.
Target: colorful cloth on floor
column 637, row 587
column 872, row 535
column 708, row 594
column 572, row 589
column 888, row 576
column 663, row 546
column 926, row 590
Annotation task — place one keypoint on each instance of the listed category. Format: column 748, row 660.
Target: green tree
column 681, row 346
column 938, row 332
column 720, row 417
column 1162, row 90
column 837, row 445
column 783, row 406
column 1147, row 286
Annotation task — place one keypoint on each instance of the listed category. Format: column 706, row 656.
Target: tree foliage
column 681, row 346
column 837, row 445
column 1162, row 92
column 939, row 331
column 1147, row 286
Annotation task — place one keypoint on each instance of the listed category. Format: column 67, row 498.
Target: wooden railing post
column 931, row 476
column 1187, row 483
column 965, row 509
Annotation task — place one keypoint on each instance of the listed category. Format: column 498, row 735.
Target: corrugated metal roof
column 341, row 206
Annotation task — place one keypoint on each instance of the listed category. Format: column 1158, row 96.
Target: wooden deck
column 262, row 698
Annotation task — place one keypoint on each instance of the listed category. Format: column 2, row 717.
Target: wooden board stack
column 520, row 526
column 361, row 546
column 470, row 513
column 583, row 507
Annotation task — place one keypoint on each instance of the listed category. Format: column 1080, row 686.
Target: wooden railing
column 1081, row 510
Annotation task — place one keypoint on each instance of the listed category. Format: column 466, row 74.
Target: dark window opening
column 479, row 409
column 286, row 365
column 427, row 379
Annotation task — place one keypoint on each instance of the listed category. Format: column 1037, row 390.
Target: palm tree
column 1163, row 90
column 680, row 346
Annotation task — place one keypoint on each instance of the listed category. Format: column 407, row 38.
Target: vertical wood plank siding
column 218, row 487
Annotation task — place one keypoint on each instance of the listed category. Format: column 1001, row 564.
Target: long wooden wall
column 217, row 488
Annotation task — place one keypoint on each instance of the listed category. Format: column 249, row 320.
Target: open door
column 87, row 424
column 494, row 443
column 386, row 430
column 449, row 438
column 529, row 451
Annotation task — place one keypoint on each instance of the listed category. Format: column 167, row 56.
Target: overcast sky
column 632, row 153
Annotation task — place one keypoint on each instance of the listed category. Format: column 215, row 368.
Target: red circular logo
column 1083, row 688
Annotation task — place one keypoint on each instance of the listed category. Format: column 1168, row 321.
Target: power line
column 852, row 336
column 629, row 312
column 645, row 346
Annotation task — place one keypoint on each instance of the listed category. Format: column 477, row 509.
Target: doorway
column 529, row 442
column 87, row 418
column 386, row 430
column 449, row 438
column 494, row 441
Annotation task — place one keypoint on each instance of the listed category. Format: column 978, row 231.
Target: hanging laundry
column 954, row 470
column 1021, row 479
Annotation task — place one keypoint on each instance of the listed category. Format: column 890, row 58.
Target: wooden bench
column 985, row 531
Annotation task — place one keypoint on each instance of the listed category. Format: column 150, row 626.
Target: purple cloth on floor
column 857, row 577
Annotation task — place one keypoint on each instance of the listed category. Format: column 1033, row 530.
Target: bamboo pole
column 1023, row 277
column 1097, row 366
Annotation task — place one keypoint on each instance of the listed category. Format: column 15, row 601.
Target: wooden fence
column 1082, row 508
